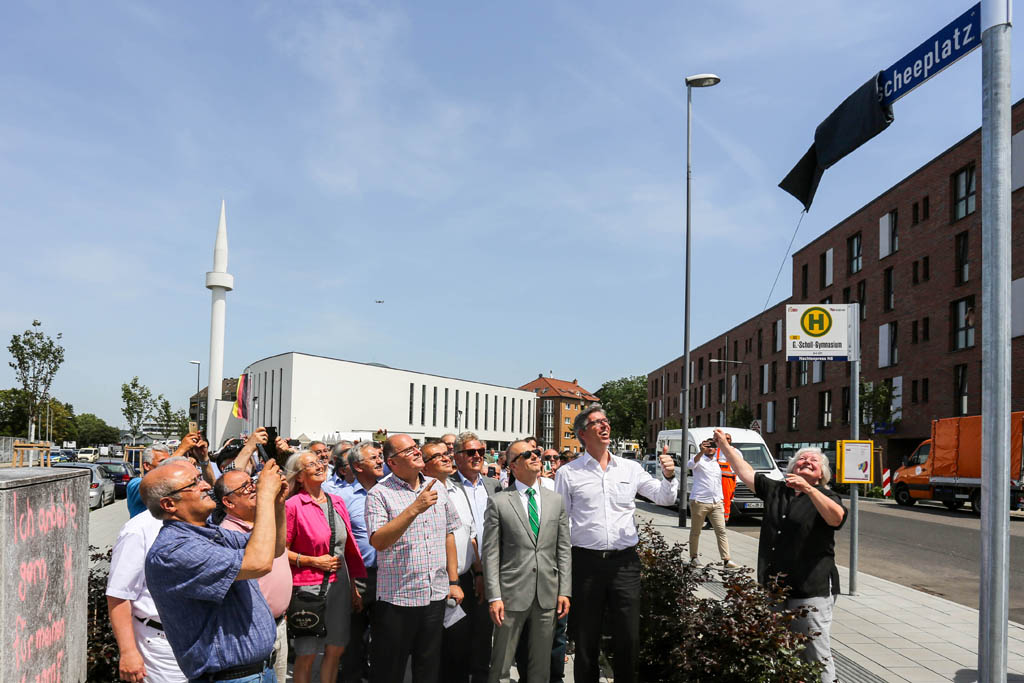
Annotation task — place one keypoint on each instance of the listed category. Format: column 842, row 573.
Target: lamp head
column 702, row 80
column 194, row 362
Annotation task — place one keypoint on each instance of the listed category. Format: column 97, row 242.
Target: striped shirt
column 412, row 572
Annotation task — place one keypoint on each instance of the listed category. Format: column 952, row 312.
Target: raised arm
column 740, row 466
column 266, row 536
column 391, row 531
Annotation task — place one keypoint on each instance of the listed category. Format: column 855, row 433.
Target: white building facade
column 318, row 397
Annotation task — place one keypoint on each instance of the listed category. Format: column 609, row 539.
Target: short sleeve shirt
column 127, row 578
column 212, row 621
column 412, row 572
column 796, row 541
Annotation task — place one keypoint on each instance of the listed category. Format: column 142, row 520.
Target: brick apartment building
column 912, row 258
column 558, row 403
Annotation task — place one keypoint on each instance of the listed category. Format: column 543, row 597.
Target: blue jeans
column 267, row 676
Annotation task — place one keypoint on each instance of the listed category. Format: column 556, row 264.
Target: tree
column 13, row 412
column 93, row 431
column 173, row 423
column 876, row 404
column 625, row 404
column 57, row 424
column 740, row 415
column 37, row 357
column 138, row 405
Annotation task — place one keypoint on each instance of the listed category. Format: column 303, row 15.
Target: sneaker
column 694, row 562
column 729, row 564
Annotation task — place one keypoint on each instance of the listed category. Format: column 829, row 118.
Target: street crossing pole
column 995, row 339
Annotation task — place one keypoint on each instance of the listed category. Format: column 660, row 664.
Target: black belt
column 152, row 623
column 240, row 671
column 605, row 554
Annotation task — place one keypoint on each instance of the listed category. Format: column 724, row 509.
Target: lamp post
column 198, row 366
column 695, row 81
column 750, row 380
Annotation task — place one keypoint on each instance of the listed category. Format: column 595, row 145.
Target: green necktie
column 531, row 506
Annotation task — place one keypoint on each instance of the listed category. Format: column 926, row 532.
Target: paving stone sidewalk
column 887, row 632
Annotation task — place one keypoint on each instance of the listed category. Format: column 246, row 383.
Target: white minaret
column 219, row 282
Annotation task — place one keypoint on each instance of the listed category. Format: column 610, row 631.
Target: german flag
column 240, row 410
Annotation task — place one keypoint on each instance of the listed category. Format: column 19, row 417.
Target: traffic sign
column 855, row 462
column 817, row 332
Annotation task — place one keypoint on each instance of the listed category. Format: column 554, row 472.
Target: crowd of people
column 397, row 557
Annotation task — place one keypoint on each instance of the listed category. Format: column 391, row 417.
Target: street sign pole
column 853, row 323
column 995, row 340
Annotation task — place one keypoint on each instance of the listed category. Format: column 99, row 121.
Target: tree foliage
column 173, row 423
column 94, row 431
column 138, row 405
column 13, row 412
column 37, row 357
column 876, row 404
column 740, row 415
column 625, row 404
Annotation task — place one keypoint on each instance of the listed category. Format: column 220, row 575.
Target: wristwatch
column 453, row 583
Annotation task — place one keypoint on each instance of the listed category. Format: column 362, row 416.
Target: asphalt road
column 924, row 547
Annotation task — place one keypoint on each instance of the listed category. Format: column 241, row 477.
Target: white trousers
column 161, row 666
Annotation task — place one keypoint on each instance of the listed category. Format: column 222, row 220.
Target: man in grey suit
column 469, row 482
column 527, row 566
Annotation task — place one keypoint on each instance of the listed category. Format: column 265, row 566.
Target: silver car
column 101, row 487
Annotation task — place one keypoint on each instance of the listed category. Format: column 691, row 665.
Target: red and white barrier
column 886, row 484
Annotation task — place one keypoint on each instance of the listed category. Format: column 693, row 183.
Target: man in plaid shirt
column 411, row 524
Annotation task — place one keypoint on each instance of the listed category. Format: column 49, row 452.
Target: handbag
column 307, row 612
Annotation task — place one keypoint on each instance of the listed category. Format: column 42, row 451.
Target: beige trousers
column 716, row 512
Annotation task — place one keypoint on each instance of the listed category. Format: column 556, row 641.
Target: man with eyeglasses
column 412, row 523
column 201, row 577
column 527, row 567
column 455, row 643
column 599, row 491
column 469, row 482
column 340, row 475
column 235, row 493
column 365, row 462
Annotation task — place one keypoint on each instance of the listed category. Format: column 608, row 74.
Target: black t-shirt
column 796, row 541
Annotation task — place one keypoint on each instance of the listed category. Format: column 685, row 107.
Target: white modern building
column 318, row 397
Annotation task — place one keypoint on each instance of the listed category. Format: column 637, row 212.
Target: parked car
column 101, row 487
column 87, row 454
column 62, row 455
column 120, row 472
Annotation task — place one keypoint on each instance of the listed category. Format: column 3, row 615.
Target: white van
column 748, row 442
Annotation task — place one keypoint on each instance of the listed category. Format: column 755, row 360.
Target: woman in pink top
column 310, row 554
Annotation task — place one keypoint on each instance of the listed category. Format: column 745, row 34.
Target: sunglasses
column 530, row 454
column 472, row 452
column 436, row 456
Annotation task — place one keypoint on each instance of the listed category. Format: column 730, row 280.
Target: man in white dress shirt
column 599, row 489
column 707, row 501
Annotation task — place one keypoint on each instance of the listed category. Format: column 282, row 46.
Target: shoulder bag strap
column 331, row 522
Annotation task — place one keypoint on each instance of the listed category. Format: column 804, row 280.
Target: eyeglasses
column 195, row 482
column 597, row 423
column 436, row 456
column 245, row 489
column 530, row 454
column 411, row 450
column 473, row 452
column 314, row 466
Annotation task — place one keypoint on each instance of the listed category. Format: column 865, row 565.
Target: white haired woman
column 315, row 518
column 801, row 516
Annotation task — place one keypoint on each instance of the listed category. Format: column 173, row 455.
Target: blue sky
column 508, row 177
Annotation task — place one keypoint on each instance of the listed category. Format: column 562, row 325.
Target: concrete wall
column 44, row 525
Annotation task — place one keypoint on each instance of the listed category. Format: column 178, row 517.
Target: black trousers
column 466, row 646
column 605, row 592
column 355, row 661
column 399, row 632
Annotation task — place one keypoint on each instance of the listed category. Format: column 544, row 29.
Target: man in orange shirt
column 728, row 480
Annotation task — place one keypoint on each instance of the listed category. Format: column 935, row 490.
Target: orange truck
column 947, row 467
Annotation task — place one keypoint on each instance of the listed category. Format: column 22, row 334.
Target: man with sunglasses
column 235, row 493
column 599, row 491
column 201, row 577
column 526, row 567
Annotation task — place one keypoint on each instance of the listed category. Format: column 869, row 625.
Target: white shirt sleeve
column 127, row 578
column 662, row 492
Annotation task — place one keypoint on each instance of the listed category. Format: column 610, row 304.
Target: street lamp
column 750, row 379
column 695, row 81
column 198, row 365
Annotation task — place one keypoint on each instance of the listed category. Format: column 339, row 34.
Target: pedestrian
column 455, row 642
column 235, row 493
column 411, row 522
column 151, row 458
column 797, row 544
column 339, row 475
column 728, row 481
column 202, row 578
column 527, row 567
column 324, row 557
column 599, row 490
column 365, row 462
column 706, row 500
column 143, row 651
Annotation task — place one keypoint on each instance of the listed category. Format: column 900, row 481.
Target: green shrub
column 743, row 638
column 102, row 652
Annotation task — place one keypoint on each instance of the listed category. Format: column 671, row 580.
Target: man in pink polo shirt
column 236, row 495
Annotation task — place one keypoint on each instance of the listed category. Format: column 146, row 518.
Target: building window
column 924, row 208
column 853, row 254
column 817, row 371
column 803, row 281
column 801, row 379
column 963, row 192
column 824, row 409
column 924, row 328
column 794, row 413
column 774, row 384
column 434, row 407
column 759, row 335
column 862, row 298
column 924, row 269
column 960, row 389
column 458, row 422
column 504, row 413
column 962, row 264
column 423, row 405
column 789, row 374
column 913, row 332
column 446, row 407
column 914, row 217
column 845, row 398
column 412, row 396
column 888, row 353
column 894, row 235
column 924, row 390
column 825, row 269
column 888, row 293
column 963, row 323
column 476, row 411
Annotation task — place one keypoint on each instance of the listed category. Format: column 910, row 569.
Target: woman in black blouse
column 801, row 516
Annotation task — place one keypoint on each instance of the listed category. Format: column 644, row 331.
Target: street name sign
column 817, row 332
column 953, row 41
column 855, row 462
